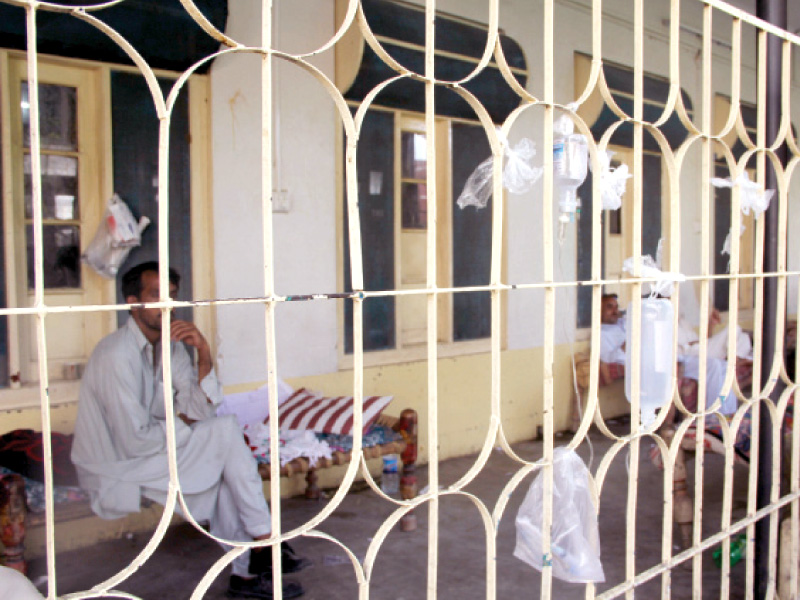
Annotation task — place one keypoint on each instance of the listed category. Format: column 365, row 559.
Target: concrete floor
column 400, row 571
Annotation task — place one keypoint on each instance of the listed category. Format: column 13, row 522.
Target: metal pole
column 774, row 12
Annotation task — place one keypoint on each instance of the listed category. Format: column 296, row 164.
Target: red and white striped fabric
column 309, row 411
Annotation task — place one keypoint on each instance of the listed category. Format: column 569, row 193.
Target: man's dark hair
column 132, row 279
column 607, row 296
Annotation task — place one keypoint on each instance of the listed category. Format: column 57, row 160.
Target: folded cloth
column 293, row 444
column 377, row 435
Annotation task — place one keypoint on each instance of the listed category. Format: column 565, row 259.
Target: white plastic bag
column 751, row 197
column 662, row 286
column 726, row 246
column 518, row 175
column 612, row 181
column 574, row 536
column 117, row 234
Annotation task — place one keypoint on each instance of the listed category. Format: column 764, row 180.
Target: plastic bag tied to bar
column 117, row 233
column 750, row 198
column 519, row 175
column 613, row 181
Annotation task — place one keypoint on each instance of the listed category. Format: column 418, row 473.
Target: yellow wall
column 62, row 417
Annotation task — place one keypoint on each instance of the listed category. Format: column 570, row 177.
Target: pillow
column 308, row 410
column 253, row 406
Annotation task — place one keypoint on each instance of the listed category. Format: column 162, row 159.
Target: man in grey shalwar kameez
column 120, row 446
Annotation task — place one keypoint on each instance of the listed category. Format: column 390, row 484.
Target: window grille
column 539, row 95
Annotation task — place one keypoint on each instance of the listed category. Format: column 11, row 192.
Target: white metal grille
column 701, row 135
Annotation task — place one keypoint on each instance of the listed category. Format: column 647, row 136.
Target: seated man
column 716, row 359
column 612, row 331
column 120, row 446
column 612, row 340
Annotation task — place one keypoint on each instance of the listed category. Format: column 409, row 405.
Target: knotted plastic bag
column 574, row 536
column 612, row 181
column 117, row 234
column 518, row 175
column 662, row 286
column 726, row 246
column 750, row 197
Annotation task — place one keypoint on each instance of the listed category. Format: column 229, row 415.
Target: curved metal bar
column 206, row 25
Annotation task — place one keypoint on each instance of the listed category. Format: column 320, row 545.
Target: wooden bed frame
column 15, row 521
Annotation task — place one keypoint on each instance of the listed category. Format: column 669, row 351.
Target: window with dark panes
column 134, row 131
column 394, row 222
column 394, row 200
column 375, row 162
column 73, row 137
column 472, row 238
column 413, row 182
column 60, row 154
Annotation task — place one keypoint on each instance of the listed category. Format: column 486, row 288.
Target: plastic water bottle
column 657, row 364
column 390, row 479
column 738, row 550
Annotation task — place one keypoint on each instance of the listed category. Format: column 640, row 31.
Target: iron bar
column 773, row 12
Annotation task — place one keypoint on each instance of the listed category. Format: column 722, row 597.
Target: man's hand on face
column 184, row 331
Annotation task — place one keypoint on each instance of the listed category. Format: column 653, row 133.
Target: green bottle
column 738, row 550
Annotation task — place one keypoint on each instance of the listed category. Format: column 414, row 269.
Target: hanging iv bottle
column 656, row 362
column 570, row 164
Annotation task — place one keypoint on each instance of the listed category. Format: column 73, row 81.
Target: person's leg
column 220, row 482
column 716, row 371
column 226, row 524
column 243, row 489
column 715, row 379
column 718, row 344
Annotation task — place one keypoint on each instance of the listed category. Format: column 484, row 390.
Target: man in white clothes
column 716, row 359
column 15, row 586
column 612, row 331
column 120, row 446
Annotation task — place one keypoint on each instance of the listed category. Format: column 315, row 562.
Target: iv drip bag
column 657, row 364
column 570, row 165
